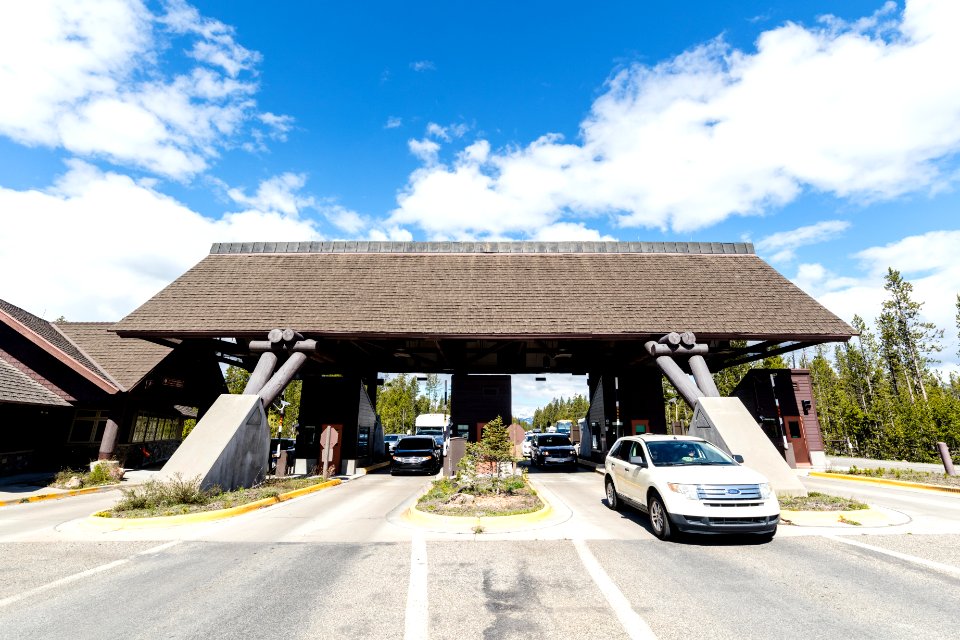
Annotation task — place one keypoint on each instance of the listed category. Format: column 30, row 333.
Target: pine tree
column 907, row 342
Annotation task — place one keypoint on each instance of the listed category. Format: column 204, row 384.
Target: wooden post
column 274, row 386
column 261, row 373
column 947, row 460
column 701, row 373
column 687, row 390
column 108, row 445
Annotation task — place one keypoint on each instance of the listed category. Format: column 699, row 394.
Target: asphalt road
column 343, row 563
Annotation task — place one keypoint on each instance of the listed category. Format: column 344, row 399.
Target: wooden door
column 798, row 440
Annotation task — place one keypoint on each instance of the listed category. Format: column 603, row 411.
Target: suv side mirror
column 637, row 460
column 738, row 458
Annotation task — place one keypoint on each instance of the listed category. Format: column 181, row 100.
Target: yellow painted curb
column 885, row 481
column 57, row 496
column 203, row 516
column 864, row 517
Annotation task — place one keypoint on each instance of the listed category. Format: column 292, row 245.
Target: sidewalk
column 33, row 486
column 24, row 486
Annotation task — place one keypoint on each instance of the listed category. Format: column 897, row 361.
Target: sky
column 135, row 134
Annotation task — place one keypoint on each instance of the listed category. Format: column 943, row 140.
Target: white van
column 437, row 425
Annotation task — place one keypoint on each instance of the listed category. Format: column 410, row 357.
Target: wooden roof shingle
column 574, row 290
column 127, row 361
column 17, row 387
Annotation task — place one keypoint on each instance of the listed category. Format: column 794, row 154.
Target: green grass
column 180, row 496
column 99, row 475
column 906, row 475
column 514, row 498
column 816, row 501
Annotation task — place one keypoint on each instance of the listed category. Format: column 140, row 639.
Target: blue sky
column 132, row 135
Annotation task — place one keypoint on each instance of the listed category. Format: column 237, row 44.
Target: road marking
column 417, row 623
column 84, row 574
column 635, row 626
column 937, row 566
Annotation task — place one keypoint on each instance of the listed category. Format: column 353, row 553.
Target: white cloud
column 279, row 193
column 564, row 231
column 391, row 233
column 867, row 110
column 423, row 65
column 425, row 150
column 930, row 262
column 783, row 244
column 104, row 243
column 393, row 123
column 88, row 77
column 280, row 125
column 347, row 220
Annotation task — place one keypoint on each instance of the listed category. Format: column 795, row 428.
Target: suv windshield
column 671, row 453
column 415, row 444
column 391, row 437
column 553, row 441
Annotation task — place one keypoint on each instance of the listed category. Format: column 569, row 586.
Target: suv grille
column 715, row 492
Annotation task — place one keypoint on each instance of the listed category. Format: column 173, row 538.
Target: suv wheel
column 659, row 518
column 613, row 500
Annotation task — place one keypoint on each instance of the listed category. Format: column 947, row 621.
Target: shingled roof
column 523, row 290
column 89, row 348
column 127, row 361
column 18, row 387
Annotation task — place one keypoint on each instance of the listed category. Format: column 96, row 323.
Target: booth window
column 152, row 428
column 88, row 426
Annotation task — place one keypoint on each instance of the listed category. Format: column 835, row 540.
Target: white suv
column 687, row 484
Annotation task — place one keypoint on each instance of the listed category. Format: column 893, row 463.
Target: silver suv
column 687, row 484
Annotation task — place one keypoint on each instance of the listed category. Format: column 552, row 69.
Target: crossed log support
column 674, row 344
column 268, row 382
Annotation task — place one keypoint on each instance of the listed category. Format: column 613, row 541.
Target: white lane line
column 83, row 574
column 635, row 626
column 417, row 625
column 936, row 566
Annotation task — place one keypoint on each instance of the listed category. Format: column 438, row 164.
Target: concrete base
column 726, row 423
column 818, row 460
column 228, row 447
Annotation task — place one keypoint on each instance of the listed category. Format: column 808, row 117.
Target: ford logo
column 733, row 491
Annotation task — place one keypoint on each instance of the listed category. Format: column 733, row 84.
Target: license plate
column 558, row 459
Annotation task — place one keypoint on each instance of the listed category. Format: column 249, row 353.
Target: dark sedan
column 415, row 453
column 552, row 448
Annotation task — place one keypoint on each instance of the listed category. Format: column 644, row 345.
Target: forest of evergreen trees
column 879, row 395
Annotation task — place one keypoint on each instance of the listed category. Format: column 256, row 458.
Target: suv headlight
column 688, row 491
column 765, row 490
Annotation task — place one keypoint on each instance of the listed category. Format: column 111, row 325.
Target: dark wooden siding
column 480, row 399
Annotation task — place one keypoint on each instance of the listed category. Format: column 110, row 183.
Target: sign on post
column 328, row 440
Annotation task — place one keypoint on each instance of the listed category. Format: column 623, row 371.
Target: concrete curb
column 857, row 518
column 884, row 481
column 477, row 524
column 362, row 471
column 115, row 524
column 57, row 496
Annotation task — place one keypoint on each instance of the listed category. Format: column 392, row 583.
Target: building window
column 150, row 427
column 88, row 426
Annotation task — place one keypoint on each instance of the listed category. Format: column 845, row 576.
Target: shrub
column 156, row 494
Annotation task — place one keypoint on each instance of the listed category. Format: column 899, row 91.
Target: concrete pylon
column 228, row 447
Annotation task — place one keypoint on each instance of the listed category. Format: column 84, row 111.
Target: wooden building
column 64, row 384
column 489, row 308
column 782, row 402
